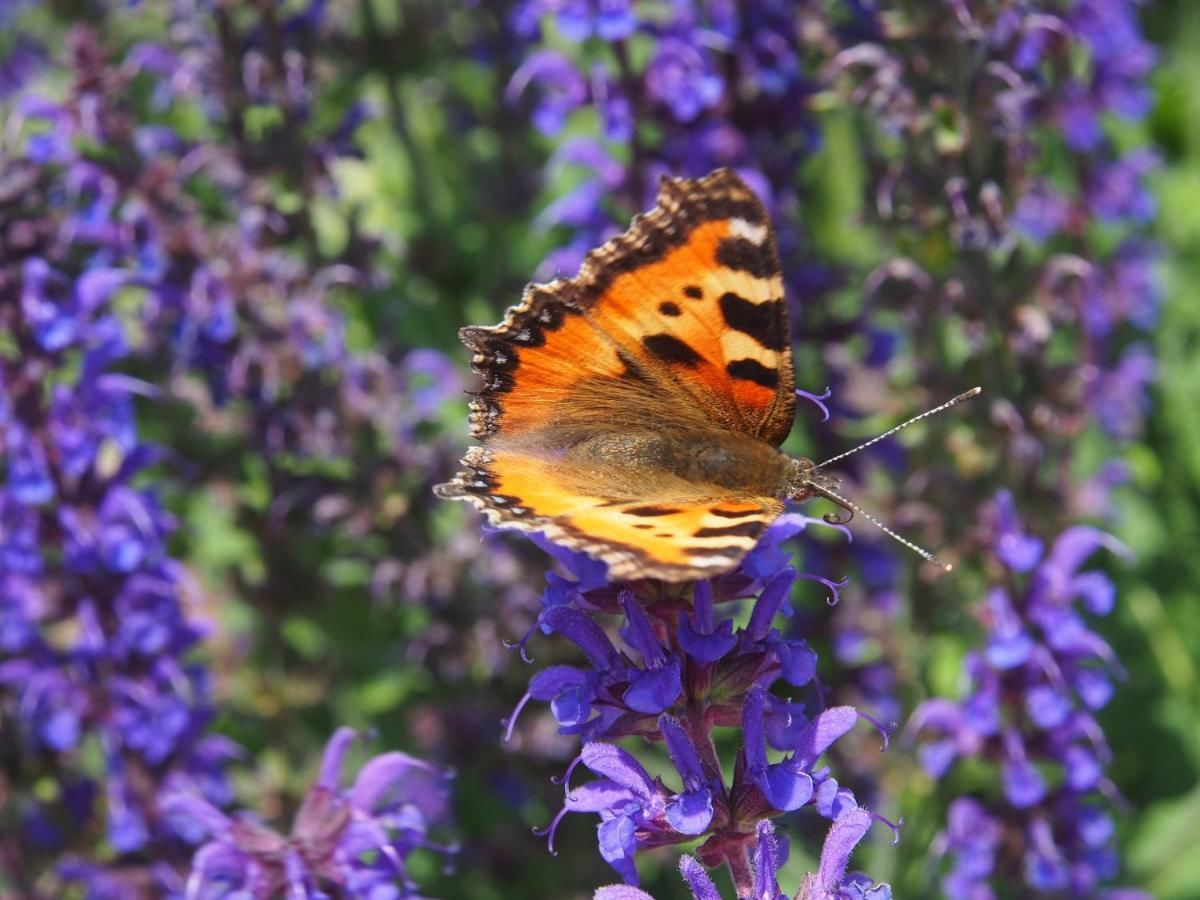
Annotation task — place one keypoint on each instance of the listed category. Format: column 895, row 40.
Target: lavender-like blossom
column 95, row 659
column 1024, row 260
column 829, row 882
column 110, row 265
column 687, row 671
column 1033, row 691
column 356, row 839
column 1024, row 269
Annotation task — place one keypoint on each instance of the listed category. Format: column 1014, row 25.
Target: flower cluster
column 356, row 839
column 829, row 882
column 1029, row 710
column 688, row 671
column 103, row 702
column 1038, row 251
column 1017, row 228
column 112, row 263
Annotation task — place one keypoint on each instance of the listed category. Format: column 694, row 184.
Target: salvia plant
column 235, row 241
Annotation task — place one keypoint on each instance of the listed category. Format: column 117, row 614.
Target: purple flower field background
column 244, row 651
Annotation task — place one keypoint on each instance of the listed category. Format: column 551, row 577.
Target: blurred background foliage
column 1153, row 721
column 446, row 195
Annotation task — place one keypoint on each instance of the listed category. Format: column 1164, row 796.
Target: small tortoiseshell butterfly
column 634, row 412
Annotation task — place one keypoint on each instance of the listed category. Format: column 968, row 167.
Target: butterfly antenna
column 966, row 395
column 834, row 519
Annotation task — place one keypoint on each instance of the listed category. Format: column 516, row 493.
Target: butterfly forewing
column 707, row 311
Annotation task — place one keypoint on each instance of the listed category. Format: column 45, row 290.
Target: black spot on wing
column 651, row 511
column 742, row 255
column 735, row 513
column 693, row 292
column 753, row 370
column 667, row 308
column 746, row 529
column 762, row 321
column 671, row 349
column 642, row 526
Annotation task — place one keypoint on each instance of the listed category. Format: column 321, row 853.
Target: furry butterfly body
column 635, row 411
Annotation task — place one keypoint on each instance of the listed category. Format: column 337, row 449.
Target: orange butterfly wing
column 675, row 531
column 678, row 322
column 690, row 298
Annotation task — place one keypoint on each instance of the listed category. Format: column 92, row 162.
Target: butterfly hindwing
column 673, row 531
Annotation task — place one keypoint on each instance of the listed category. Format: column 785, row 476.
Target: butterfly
column 635, row 411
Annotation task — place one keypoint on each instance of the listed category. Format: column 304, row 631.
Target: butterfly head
column 807, row 481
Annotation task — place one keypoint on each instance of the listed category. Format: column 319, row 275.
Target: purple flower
column 790, row 784
column 1119, row 396
column 358, row 837
column 971, row 840
column 634, row 809
column 681, row 78
column 655, row 686
column 1028, row 708
column 1118, row 191
column 20, row 59
column 559, row 86
column 1041, row 212
column 609, row 20
column 727, row 673
column 700, row 635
